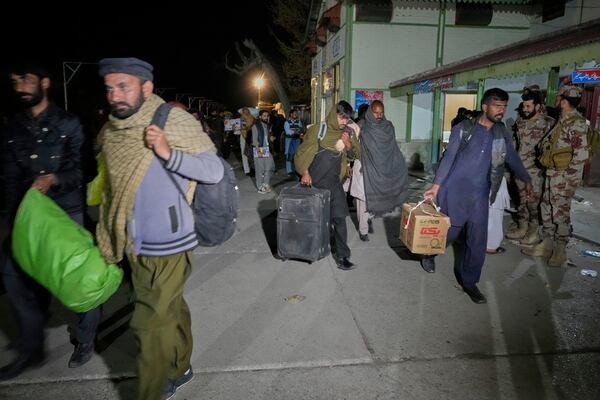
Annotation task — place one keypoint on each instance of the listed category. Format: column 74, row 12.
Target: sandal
column 497, row 251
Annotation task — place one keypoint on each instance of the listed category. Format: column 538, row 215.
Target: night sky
column 187, row 48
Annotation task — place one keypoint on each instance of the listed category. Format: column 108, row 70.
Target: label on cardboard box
column 423, row 229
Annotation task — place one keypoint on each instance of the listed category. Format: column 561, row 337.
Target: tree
column 290, row 16
column 256, row 58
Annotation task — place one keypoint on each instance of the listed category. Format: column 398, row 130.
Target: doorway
column 452, row 102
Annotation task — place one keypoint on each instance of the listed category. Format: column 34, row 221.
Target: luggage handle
column 419, row 204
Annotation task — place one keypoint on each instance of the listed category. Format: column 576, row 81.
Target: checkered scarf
column 127, row 160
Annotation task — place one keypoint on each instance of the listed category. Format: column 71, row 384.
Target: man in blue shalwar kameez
column 467, row 181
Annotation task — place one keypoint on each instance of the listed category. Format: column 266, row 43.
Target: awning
column 331, row 18
column 574, row 45
column 522, row 2
column 515, row 2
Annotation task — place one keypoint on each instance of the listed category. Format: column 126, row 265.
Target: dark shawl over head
column 383, row 165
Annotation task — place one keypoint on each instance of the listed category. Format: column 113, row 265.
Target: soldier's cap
column 127, row 65
column 569, row 91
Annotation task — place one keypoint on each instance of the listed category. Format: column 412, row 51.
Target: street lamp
column 259, row 83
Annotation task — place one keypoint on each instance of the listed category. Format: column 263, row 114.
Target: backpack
column 215, row 205
column 593, row 141
column 547, row 143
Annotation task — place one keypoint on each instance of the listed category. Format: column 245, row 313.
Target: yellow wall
column 453, row 102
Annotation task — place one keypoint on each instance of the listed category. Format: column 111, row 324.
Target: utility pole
column 73, row 67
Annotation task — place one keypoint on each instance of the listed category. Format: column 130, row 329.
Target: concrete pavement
column 266, row 329
column 585, row 214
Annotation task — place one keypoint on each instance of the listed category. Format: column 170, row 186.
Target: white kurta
column 496, row 217
column 356, row 186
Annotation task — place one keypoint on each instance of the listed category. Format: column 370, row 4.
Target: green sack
column 96, row 187
column 59, row 254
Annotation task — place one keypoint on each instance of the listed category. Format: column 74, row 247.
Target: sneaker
column 344, row 263
column 267, row 189
column 81, row 355
column 174, row 384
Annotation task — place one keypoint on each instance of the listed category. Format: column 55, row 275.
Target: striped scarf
column 127, row 159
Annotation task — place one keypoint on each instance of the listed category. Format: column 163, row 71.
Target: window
column 374, row 11
column 552, row 9
column 473, row 14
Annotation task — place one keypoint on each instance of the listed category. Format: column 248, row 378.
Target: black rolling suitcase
column 303, row 223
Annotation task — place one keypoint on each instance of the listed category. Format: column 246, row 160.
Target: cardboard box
column 423, row 230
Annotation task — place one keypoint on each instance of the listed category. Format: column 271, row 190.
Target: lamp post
column 259, row 83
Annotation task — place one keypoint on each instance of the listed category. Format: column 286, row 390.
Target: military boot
column 559, row 255
column 542, row 249
column 532, row 236
column 519, row 232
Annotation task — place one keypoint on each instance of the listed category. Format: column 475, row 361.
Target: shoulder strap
column 572, row 118
column 161, row 115
column 466, row 131
column 555, row 133
column 322, row 131
column 160, row 119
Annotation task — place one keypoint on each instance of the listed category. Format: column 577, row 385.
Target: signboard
column 431, row 84
column 233, row 124
column 366, row 97
column 333, row 51
column 336, row 47
column 589, row 75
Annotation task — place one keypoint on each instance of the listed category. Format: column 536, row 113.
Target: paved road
column 386, row 330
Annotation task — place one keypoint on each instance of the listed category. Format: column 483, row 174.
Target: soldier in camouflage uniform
column 531, row 127
column 564, row 168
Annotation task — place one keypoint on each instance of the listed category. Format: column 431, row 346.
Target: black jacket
column 47, row 144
